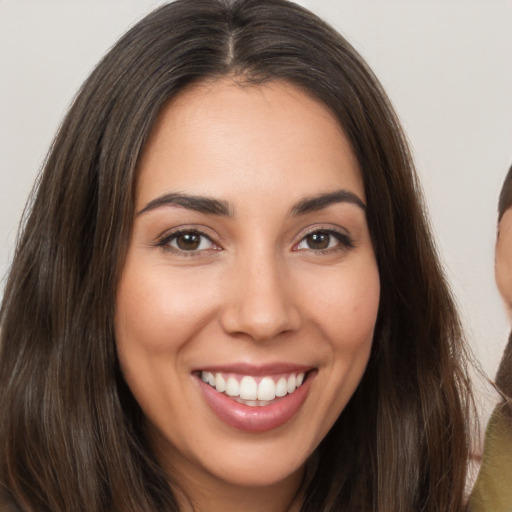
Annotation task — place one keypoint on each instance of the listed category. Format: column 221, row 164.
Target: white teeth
column 248, row 388
column 281, row 387
column 232, row 387
column 292, row 383
column 220, row 383
column 266, row 389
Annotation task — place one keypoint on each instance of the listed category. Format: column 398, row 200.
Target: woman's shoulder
column 493, row 488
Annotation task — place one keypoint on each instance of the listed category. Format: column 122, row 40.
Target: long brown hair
column 70, row 432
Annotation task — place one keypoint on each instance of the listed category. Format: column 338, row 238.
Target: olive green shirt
column 493, row 487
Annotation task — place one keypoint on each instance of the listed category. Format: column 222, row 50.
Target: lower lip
column 255, row 419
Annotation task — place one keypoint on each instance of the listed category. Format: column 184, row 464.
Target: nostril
column 260, row 324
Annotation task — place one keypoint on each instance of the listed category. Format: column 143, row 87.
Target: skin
column 503, row 269
column 255, row 291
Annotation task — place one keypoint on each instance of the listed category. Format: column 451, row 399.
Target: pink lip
column 255, row 419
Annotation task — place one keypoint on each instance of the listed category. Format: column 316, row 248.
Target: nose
column 260, row 303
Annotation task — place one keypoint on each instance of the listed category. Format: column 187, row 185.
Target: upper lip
column 256, row 370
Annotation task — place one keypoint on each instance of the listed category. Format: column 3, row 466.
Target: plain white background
column 446, row 64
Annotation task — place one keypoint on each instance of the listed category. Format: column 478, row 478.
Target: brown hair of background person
column 71, row 434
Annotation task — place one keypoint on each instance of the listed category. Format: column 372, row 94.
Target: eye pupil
column 188, row 241
column 318, row 240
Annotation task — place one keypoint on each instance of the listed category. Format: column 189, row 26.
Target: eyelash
column 345, row 242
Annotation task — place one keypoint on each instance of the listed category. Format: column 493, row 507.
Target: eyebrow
column 209, row 205
column 198, row 203
column 311, row 204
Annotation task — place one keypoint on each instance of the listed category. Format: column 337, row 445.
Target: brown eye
column 187, row 241
column 325, row 240
column 318, row 240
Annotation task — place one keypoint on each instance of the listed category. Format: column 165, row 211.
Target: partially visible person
column 493, row 488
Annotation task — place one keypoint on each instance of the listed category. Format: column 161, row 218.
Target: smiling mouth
column 254, row 391
column 256, row 399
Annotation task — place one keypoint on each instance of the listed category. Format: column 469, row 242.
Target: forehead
column 219, row 137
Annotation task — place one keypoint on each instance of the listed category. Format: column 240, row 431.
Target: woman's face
column 248, row 300
column 504, row 259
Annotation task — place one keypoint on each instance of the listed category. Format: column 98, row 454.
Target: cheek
column 157, row 315
column 156, row 311
column 504, row 272
column 346, row 314
column 504, row 258
column 348, row 305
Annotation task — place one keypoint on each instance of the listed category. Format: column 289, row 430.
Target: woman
column 493, row 488
column 226, row 293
